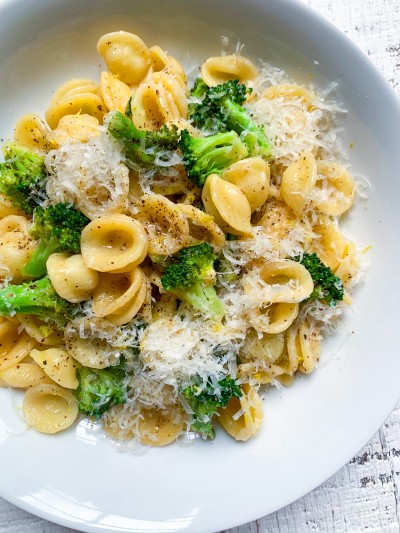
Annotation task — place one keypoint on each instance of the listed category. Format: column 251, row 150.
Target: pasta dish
column 169, row 249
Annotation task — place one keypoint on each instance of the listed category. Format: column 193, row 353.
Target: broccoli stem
column 204, row 299
column 36, row 267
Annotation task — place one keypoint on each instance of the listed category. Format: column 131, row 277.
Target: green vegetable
column 328, row 288
column 221, row 109
column 205, row 401
column 22, row 177
column 147, row 148
column 99, row 389
column 58, row 229
column 210, row 155
column 36, row 298
column 190, row 277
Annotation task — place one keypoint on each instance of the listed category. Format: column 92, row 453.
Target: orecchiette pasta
column 126, row 56
column 218, row 70
column 279, row 281
column 337, row 188
column 298, row 181
column 113, row 244
column 58, row 365
column 118, row 297
column 115, row 92
column 228, row 205
column 71, row 277
column 165, row 223
column 76, row 96
column 252, row 176
column 31, row 132
column 242, row 417
column 50, row 408
column 211, row 260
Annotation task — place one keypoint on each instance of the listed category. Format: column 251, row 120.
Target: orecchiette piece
column 303, row 343
column 113, row 244
column 93, row 342
column 74, row 97
column 58, row 365
column 72, row 279
column 166, row 225
column 126, row 56
column 264, row 348
column 202, row 227
column 242, row 417
column 252, row 176
column 22, row 376
column 50, row 408
column 338, row 187
column 118, row 297
column 41, row 331
column 7, row 209
column 14, row 345
column 31, row 132
column 275, row 318
column 278, row 281
column 298, row 181
column 216, row 70
column 160, row 60
column 228, row 205
column 115, row 92
column 16, row 246
column 160, row 427
column 74, row 128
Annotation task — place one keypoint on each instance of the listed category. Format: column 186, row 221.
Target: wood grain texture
column 365, row 494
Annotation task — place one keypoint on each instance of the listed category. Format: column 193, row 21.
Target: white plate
column 310, row 430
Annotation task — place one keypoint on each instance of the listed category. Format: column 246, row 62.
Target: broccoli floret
column 197, row 92
column 328, row 288
column 36, row 298
column 210, row 155
column 99, row 389
column 58, row 229
column 190, row 277
column 221, row 109
column 205, row 401
column 22, row 177
column 143, row 147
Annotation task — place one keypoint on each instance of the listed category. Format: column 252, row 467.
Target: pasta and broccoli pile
column 166, row 251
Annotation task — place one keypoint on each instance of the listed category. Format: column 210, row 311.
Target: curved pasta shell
column 50, row 408
column 298, row 181
column 279, row 281
column 14, row 346
column 41, row 331
column 116, row 292
column 84, row 103
column 248, row 424
column 16, row 246
column 252, row 176
column 228, row 205
column 72, row 279
column 339, row 186
column 167, row 227
column 266, row 349
column 202, row 227
column 114, row 92
column 31, row 132
column 159, row 428
column 114, row 243
column 7, row 209
column 58, row 365
column 126, row 56
column 160, row 60
column 74, row 128
column 73, row 87
column 22, row 376
column 217, row 70
column 303, row 343
column 275, row 318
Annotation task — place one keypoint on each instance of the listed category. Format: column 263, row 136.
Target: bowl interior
column 311, row 429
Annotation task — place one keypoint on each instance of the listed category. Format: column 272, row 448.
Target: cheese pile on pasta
column 166, row 252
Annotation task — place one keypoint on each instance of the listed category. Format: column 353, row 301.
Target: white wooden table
column 365, row 494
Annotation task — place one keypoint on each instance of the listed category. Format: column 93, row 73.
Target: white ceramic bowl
column 310, row 430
